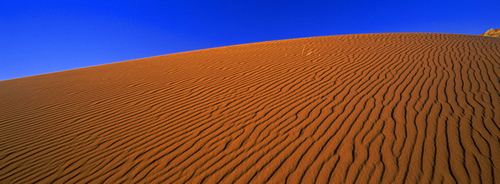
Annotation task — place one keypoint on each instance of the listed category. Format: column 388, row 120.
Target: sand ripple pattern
column 373, row 108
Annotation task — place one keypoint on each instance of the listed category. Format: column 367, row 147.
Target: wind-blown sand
column 372, row 108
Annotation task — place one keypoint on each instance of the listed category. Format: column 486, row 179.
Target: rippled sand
column 372, row 108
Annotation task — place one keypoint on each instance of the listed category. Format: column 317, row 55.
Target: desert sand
column 369, row 108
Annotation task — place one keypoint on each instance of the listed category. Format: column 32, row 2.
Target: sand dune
column 492, row 33
column 372, row 108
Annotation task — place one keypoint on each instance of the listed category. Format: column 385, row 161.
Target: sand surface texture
column 373, row 108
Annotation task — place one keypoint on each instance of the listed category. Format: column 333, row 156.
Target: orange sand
column 373, row 108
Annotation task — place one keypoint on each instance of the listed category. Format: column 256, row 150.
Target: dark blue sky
column 44, row 36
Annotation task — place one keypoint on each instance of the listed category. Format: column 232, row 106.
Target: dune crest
column 492, row 33
column 372, row 108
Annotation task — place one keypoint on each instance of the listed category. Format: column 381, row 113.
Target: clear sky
column 44, row 36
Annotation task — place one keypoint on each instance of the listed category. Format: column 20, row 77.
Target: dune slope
column 372, row 108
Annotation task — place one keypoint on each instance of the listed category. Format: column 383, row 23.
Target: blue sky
column 44, row 36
